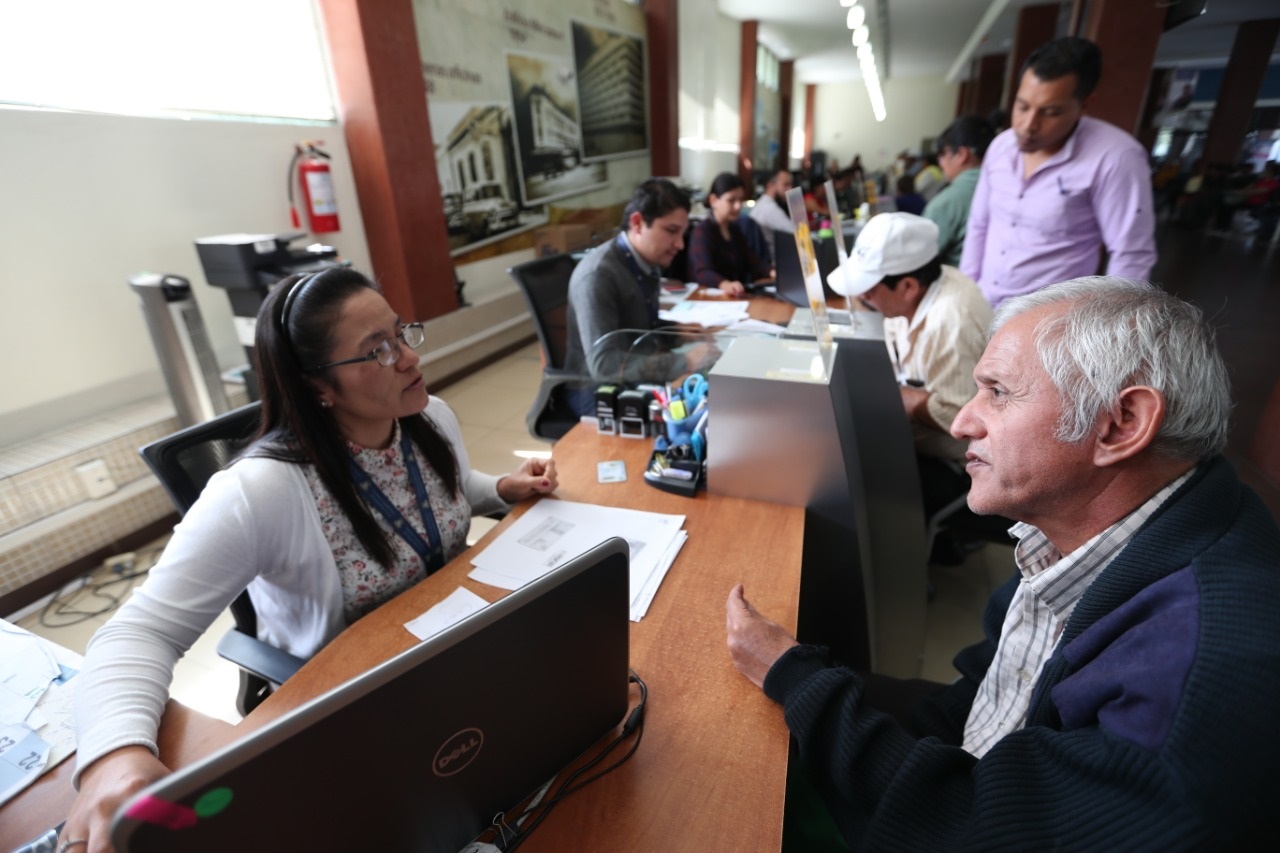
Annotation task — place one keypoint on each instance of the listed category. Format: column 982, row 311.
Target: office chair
column 545, row 285
column 184, row 462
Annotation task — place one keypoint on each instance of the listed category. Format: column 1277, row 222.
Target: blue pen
column 1061, row 189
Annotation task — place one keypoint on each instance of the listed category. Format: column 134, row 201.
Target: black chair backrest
column 185, row 460
column 545, row 285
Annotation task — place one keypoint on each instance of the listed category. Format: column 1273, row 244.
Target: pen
column 1061, row 189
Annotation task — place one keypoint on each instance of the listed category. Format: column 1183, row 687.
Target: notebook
column 421, row 752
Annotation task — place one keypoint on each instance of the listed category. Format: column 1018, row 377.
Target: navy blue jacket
column 1153, row 725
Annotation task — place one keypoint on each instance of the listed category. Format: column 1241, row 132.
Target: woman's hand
column 533, row 477
column 104, row 786
column 732, row 288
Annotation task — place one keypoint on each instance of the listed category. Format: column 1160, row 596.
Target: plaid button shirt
column 1051, row 586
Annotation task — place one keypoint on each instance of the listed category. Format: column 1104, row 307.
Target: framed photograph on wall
column 609, row 68
column 544, row 106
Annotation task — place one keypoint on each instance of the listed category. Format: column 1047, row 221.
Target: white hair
column 1117, row 333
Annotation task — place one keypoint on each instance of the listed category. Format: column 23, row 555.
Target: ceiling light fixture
column 857, row 16
column 847, row 3
column 861, row 36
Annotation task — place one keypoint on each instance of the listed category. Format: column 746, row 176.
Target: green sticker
column 213, row 802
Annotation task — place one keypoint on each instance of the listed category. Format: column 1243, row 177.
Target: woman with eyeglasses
column 357, row 487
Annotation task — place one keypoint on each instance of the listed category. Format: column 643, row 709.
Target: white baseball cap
column 890, row 244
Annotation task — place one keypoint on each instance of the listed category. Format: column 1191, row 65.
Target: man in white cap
column 935, row 328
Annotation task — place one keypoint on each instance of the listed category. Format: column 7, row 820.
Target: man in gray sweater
column 615, row 288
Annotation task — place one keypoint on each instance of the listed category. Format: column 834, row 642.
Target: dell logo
column 456, row 753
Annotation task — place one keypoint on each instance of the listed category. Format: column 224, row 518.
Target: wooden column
column 382, row 98
column 747, row 104
column 1250, row 55
column 786, row 82
column 962, row 99
column 1035, row 26
column 990, row 83
column 663, row 38
column 1127, row 33
column 810, row 95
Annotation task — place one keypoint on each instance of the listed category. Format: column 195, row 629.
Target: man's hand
column 699, row 357
column 916, row 402
column 533, row 477
column 732, row 288
column 755, row 643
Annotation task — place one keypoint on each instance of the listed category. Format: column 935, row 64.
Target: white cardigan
column 255, row 526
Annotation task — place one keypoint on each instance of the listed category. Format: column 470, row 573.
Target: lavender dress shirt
column 1026, row 234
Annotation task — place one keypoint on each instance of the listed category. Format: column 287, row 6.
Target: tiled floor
column 491, row 406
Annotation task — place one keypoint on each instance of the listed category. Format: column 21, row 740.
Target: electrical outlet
column 96, row 478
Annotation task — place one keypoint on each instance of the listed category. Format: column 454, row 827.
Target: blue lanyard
column 431, row 551
column 646, row 282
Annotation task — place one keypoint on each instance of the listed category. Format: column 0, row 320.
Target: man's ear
column 635, row 221
column 1130, row 427
column 1087, row 101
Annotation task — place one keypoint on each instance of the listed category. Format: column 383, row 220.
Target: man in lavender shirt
column 1057, row 186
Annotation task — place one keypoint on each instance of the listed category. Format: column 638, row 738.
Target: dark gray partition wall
column 884, row 513
column 839, row 446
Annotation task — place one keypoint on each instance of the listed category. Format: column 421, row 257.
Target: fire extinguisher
column 317, row 187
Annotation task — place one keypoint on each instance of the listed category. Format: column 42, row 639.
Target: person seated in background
column 961, row 149
column 935, row 327
column 615, row 288
column 930, row 179
column 1122, row 698
column 357, row 487
column 770, row 211
column 908, row 200
column 719, row 255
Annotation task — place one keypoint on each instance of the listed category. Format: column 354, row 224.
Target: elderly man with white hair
column 1124, row 696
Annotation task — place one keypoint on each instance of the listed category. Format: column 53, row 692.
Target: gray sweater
column 604, row 297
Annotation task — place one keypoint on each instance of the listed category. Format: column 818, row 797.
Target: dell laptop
column 423, row 751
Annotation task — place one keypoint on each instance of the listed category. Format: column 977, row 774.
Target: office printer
column 247, row 266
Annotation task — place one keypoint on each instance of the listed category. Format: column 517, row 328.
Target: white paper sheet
column 554, row 531
column 37, row 729
column 705, row 312
column 460, row 604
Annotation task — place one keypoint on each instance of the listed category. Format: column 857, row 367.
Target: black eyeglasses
column 387, row 352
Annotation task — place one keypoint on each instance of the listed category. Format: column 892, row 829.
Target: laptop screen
column 421, row 752
column 790, row 284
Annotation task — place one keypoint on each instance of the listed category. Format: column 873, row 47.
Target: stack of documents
column 37, row 729
column 706, row 313
column 553, row 531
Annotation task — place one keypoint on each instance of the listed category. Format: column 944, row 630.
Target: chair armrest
column 257, row 657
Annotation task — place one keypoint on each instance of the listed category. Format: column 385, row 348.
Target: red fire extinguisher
column 317, row 187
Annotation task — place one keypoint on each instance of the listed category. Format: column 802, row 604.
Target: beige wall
column 844, row 124
column 91, row 199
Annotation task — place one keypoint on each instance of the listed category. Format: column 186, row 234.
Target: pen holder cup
column 679, row 432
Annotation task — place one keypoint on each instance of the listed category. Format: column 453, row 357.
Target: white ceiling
column 928, row 37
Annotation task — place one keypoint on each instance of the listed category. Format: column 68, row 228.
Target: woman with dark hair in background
column 719, row 255
column 357, row 487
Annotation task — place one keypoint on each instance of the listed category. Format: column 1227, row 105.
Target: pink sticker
column 155, row 810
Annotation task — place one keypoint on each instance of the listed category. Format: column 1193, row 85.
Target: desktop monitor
column 421, row 752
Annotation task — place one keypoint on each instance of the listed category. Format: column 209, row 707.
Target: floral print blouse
column 365, row 583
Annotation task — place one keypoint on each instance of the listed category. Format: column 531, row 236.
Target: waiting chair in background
column 184, row 462
column 545, row 285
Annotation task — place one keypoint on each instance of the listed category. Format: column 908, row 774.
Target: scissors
column 695, row 389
